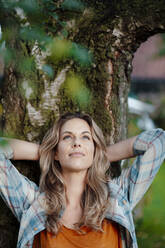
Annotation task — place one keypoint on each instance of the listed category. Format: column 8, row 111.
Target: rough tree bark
column 112, row 30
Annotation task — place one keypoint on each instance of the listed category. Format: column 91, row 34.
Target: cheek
column 91, row 151
column 61, row 147
column 59, row 151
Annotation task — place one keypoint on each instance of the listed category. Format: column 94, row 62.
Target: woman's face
column 75, row 149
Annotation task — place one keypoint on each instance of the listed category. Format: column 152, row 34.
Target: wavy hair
column 95, row 198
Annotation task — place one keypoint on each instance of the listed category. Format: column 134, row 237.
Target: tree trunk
column 112, row 30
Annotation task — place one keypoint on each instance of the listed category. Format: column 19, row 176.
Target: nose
column 76, row 143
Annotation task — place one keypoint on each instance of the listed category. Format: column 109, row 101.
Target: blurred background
column 146, row 111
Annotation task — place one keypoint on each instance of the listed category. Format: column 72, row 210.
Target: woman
column 77, row 203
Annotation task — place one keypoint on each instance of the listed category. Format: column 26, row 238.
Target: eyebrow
column 72, row 133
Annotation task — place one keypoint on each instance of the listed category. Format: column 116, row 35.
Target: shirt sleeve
column 17, row 191
column 149, row 147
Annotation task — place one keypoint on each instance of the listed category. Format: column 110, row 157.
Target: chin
column 77, row 168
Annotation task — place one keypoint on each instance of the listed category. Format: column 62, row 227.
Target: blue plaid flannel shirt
column 26, row 202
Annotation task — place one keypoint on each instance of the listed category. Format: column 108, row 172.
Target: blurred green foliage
column 3, row 143
column 37, row 22
column 27, row 24
column 76, row 89
column 159, row 115
column 161, row 52
column 73, row 5
column 133, row 128
column 151, row 227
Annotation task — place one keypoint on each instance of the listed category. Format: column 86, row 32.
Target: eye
column 66, row 137
column 86, row 137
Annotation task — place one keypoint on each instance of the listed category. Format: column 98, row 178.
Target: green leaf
column 29, row 6
column 48, row 70
column 26, row 65
column 8, row 5
column 34, row 34
column 8, row 55
column 81, row 55
column 162, row 52
column 49, row 5
column 74, row 5
column 64, row 33
column 55, row 16
column 3, row 142
column 60, row 49
column 75, row 88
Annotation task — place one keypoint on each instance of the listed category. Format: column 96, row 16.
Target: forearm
column 121, row 150
column 23, row 150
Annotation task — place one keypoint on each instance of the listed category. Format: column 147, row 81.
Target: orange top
column 69, row 238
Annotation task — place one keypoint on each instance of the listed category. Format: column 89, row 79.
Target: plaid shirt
column 26, row 202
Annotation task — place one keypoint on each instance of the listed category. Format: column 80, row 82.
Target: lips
column 76, row 154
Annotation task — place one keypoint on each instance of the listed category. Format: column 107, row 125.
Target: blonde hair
column 95, row 199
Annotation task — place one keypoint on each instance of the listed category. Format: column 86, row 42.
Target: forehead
column 75, row 125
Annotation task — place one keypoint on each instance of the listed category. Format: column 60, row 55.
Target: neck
column 75, row 184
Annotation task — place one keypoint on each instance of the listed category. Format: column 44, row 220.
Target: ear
column 56, row 156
